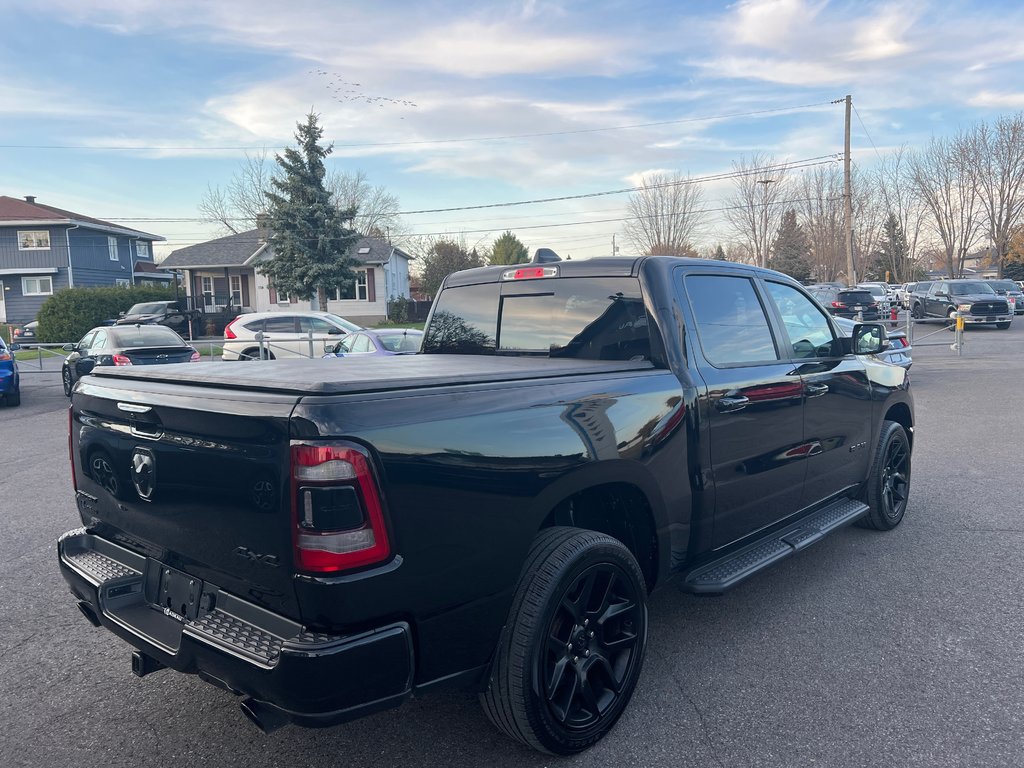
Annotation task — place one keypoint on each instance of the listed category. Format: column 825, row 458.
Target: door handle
column 728, row 404
column 816, row 390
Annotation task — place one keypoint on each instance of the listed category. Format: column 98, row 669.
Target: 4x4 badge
column 144, row 472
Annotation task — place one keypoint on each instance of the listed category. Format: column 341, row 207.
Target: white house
column 221, row 275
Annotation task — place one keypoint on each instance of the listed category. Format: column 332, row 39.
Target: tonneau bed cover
column 368, row 374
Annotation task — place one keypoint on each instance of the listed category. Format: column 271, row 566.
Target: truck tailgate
column 194, row 478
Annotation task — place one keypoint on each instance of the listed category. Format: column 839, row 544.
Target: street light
column 763, row 256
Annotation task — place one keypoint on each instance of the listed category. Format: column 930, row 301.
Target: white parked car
column 880, row 293
column 285, row 334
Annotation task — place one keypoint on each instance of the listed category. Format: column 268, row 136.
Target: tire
column 572, row 649
column 917, row 313
column 253, row 353
column 1003, row 326
column 12, row 399
column 888, row 486
column 66, row 380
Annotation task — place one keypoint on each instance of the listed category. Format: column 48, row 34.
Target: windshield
column 966, row 289
column 145, row 336
column 1004, row 285
column 152, row 308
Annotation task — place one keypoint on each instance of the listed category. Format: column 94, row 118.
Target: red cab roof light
column 529, row 273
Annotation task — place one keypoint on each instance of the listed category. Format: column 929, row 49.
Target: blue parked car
column 385, row 341
column 10, row 381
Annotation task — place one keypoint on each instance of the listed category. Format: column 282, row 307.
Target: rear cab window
column 592, row 318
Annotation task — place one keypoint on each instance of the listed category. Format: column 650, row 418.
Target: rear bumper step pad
column 726, row 572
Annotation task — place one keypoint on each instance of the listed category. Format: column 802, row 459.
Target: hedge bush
column 70, row 313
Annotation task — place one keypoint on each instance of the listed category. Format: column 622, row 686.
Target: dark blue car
column 10, row 381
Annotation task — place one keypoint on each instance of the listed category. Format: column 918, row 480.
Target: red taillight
column 337, row 517
column 4, row 356
column 838, row 305
column 195, row 358
column 71, row 451
column 121, row 360
column 529, row 273
column 228, row 333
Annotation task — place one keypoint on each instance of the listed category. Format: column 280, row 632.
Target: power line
column 806, row 163
column 425, row 142
column 866, row 132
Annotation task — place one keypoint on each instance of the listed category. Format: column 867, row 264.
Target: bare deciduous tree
column 821, row 213
column 893, row 177
column 997, row 152
column 665, row 215
column 756, row 205
column 235, row 206
column 945, row 177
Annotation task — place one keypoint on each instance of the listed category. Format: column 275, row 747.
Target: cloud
column 772, row 24
column 1005, row 100
column 882, row 37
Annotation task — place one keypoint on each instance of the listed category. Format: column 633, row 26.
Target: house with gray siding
column 221, row 275
column 44, row 249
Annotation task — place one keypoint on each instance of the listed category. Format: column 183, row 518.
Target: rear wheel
column 12, row 399
column 253, row 353
column 889, row 481
column 572, row 649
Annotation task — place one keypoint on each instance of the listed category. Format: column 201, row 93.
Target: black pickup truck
column 327, row 540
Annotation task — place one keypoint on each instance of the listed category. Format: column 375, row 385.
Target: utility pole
column 851, row 273
column 615, row 248
column 762, row 255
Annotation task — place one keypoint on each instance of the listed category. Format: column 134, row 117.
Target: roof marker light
column 529, row 273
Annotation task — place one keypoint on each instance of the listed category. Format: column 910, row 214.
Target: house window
column 112, row 247
column 236, row 290
column 143, row 249
column 207, row 283
column 123, row 282
column 34, row 240
column 36, row 286
column 355, row 291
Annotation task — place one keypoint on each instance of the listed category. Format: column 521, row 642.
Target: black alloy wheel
column 67, row 380
column 572, row 649
column 592, row 641
column 917, row 313
column 888, row 486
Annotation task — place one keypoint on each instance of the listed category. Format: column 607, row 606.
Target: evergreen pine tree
column 308, row 234
column 894, row 253
column 508, row 249
column 719, row 253
column 791, row 252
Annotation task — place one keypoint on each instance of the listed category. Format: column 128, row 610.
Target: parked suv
column 848, row 302
column 1011, row 291
column 285, row 334
column 169, row 313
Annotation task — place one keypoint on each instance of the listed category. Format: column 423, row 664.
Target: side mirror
column 69, row 347
column 335, row 332
column 120, row 314
column 869, row 339
column 14, row 347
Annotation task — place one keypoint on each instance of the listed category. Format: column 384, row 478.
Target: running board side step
column 725, row 573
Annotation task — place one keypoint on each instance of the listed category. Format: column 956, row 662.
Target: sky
column 128, row 110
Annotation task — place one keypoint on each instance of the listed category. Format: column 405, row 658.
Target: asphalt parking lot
column 869, row 649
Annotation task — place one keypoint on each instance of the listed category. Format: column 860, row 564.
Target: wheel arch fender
column 618, row 480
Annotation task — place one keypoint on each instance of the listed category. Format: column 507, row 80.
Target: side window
column 86, row 341
column 99, row 340
column 731, row 323
column 283, row 324
column 315, row 324
column 362, row 344
column 810, row 333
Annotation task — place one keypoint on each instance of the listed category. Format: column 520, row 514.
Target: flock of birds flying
column 342, row 91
